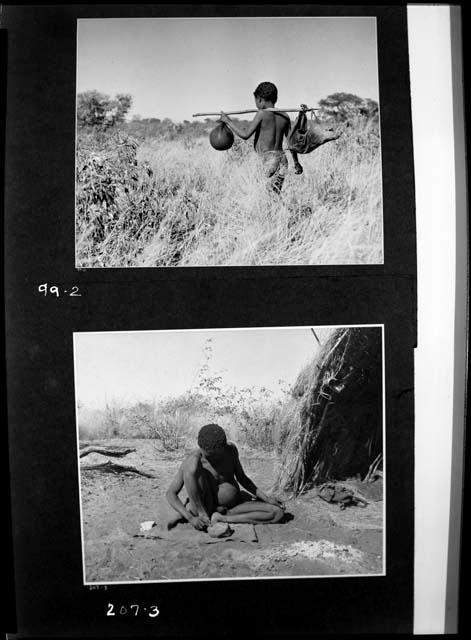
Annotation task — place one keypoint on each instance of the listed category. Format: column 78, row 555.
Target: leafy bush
column 170, row 429
column 115, row 192
column 98, row 110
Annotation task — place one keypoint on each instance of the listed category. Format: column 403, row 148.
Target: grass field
column 178, row 202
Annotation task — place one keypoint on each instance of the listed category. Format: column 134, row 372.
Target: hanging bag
column 307, row 135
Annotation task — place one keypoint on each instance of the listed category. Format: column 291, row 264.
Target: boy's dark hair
column 266, row 91
column 212, row 437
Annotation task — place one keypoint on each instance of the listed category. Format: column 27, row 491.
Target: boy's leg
column 177, row 518
column 253, row 512
column 278, row 172
column 277, row 184
column 200, row 491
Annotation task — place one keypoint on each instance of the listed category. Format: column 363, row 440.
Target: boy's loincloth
column 275, row 166
column 275, row 162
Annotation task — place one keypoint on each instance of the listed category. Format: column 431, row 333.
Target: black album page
column 211, row 320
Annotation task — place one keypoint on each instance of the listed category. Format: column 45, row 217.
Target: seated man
column 210, row 475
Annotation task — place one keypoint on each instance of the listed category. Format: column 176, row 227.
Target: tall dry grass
column 165, row 421
column 181, row 203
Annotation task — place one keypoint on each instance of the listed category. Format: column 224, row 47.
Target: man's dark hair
column 266, row 91
column 211, row 438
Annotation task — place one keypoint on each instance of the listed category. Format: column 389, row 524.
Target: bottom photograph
column 220, row 454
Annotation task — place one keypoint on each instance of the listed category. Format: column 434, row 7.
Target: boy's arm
column 240, row 130
column 249, row 485
column 297, row 166
column 172, row 495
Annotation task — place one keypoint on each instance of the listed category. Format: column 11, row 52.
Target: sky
column 174, row 67
column 150, row 365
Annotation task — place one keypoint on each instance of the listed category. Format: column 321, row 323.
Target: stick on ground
column 112, row 467
column 117, row 452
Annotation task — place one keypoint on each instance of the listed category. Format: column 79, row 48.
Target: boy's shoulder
column 270, row 113
column 232, row 448
column 274, row 117
column 283, row 113
column 286, row 118
column 192, row 458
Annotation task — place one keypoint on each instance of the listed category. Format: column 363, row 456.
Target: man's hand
column 224, row 118
column 297, row 168
column 200, row 522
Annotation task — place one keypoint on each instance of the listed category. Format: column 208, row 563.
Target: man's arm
column 240, row 130
column 249, row 485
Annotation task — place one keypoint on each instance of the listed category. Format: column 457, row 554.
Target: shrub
column 170, row 429
column 115, row 192
column 98, row 110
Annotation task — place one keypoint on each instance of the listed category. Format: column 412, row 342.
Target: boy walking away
column 270, row 128
column 211, row 475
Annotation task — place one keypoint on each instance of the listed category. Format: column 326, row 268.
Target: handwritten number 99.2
column 54, row 290
column 132, row 609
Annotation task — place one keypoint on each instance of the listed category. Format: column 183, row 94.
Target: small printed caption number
column 151, row 611
column 53, row 290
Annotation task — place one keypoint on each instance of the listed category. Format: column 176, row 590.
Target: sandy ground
column 319, row 540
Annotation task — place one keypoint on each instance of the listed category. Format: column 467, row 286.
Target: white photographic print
column 228, row 142
column 231, row 453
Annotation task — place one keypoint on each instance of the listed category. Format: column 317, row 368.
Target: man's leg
column 254, row 512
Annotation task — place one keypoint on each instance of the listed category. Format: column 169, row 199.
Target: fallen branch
column 112, row 467
column 117, row 452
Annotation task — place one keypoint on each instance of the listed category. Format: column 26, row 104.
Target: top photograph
column 218, row 142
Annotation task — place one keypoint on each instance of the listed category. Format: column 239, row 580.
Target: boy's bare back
column 270, row 128
column 273, row 126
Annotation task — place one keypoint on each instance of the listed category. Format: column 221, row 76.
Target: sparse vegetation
column 248, row 414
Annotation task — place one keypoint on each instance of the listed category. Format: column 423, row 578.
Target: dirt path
column 320, row 539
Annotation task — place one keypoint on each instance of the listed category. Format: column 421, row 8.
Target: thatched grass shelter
column 331, row 428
